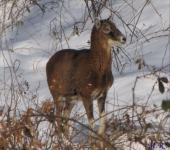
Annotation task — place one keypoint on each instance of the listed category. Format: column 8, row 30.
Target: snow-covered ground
column 28, row 46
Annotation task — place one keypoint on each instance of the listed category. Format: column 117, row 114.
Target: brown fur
column 85, row 75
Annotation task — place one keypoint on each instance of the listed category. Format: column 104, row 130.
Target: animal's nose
column 122, row 39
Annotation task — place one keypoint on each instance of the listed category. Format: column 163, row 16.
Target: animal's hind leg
column 67, row 110
column 59, row 109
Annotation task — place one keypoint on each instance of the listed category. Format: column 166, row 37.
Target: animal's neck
column 99, row 50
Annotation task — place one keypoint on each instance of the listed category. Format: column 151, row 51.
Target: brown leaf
column 47, row 107
column 27, row 117
column 3, row 126
column 4, row 142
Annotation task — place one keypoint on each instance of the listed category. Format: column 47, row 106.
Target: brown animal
column 85, row 75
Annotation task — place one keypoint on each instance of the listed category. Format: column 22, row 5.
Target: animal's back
column 66, row 69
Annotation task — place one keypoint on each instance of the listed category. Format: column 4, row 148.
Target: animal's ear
column 97, row 23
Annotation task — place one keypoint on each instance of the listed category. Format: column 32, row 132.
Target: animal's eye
column 106, row 30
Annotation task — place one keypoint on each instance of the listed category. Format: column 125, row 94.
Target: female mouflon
column 85, row 75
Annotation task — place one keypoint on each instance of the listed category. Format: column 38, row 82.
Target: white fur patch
column 102, row 123
column 72, row 98
column 96, row 94
column 112, row 43
column 89, row 84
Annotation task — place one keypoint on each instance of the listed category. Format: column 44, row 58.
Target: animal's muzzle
column 122, row 39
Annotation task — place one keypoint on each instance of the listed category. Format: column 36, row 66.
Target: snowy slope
column 27, row 48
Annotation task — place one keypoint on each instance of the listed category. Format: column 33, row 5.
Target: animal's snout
column 123, row 39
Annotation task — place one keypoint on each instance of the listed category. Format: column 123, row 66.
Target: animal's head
column 108, row 32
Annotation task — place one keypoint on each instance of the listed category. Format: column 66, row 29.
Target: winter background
column 32, row 31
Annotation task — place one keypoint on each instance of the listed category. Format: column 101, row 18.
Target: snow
column 27, row 48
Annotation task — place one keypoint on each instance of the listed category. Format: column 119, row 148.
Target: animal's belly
column 94, row 96
column 70, row 98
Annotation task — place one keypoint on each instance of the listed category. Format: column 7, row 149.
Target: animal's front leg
column 88, row 105
column 102, row 115
column 101, row 107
